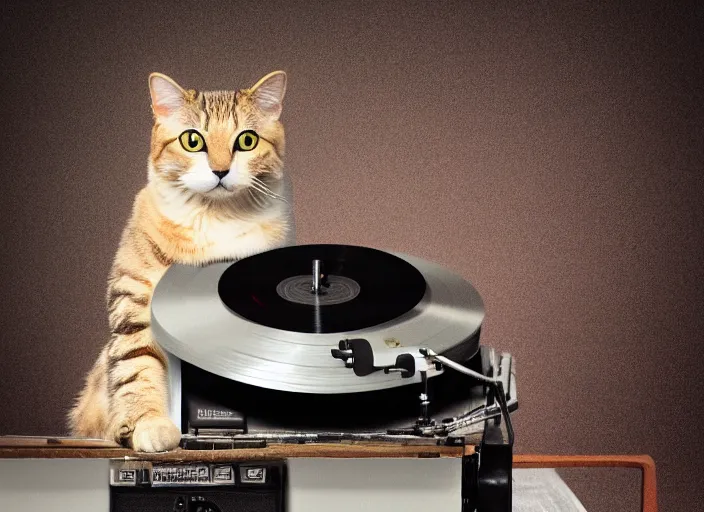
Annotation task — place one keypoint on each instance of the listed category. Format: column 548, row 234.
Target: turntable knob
column 180, row 505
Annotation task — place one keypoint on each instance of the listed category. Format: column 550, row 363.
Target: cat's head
column 217, row 144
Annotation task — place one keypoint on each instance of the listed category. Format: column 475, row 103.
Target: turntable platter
column 270, row 320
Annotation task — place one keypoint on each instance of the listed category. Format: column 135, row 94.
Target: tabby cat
column 214, row 193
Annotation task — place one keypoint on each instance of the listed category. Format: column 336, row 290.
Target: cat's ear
column 167, row 96
column 268, row 94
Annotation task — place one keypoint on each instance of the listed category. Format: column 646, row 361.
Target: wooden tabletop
column 66, row 448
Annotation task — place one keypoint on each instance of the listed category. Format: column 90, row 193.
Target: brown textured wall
column 552, row 155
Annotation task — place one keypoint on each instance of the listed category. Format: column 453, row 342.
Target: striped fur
column 178, row 218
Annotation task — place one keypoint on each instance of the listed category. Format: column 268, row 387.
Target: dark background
column 551, row 154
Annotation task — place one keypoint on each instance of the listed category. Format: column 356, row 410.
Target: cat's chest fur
column 216, row 239
column 200, row 236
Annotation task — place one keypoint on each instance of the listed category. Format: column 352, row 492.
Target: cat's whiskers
column 258, row 188
column 262, row 187
column 256, row 199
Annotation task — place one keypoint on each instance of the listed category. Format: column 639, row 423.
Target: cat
column 213, row 194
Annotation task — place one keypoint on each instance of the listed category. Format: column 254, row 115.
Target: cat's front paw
column 155, row 434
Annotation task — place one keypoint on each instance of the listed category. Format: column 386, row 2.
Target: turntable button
column 223, row 474
column 142, row 477
column 252, row 474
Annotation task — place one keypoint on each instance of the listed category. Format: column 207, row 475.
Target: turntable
column 312, row 344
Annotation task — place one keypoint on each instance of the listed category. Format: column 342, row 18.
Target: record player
column 337, row 344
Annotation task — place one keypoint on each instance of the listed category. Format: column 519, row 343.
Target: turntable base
column 42, row 478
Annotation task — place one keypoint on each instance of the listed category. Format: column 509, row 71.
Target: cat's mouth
column 218, row 187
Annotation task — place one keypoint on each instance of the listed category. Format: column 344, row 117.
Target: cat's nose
column 221, row 174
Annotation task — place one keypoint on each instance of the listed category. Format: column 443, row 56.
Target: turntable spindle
column 317, row 276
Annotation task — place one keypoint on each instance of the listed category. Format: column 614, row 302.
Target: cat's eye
column 246, row 141
column 192, row 141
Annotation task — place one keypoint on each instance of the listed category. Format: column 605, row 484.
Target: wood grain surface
column 18, row 447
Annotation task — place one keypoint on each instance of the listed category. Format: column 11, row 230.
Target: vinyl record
column 364, row 287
